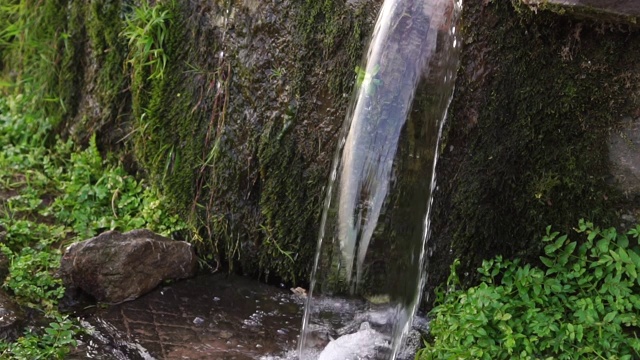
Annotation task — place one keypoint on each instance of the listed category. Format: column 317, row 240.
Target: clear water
column 374, row 229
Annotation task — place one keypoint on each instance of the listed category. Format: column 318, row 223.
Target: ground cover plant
column 583, row 303
column 54, row 193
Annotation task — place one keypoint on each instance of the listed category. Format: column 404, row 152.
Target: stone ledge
column 623, row 11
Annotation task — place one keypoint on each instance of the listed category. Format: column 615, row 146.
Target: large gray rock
column 115, row 267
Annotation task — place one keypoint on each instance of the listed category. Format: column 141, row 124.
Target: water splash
column 375, row 222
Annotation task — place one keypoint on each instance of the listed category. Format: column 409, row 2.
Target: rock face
column 11, row 318
column 505, row 159
column 284, row 70
column 115, row 267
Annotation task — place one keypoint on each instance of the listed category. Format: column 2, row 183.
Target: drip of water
column 375, row 222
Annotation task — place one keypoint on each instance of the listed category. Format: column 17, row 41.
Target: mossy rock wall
column 240, row 131
column 538, row 95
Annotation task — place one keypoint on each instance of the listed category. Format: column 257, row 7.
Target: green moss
column 289, row 212
column 537, row 98
column 37, row 48
column 104, row 24
column 330, row 39
column 326, row 29
column 168, row 141
column 70, row 75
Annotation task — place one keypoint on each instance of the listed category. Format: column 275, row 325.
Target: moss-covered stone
column 234, row 133
column 526, row 144
column 107, row 80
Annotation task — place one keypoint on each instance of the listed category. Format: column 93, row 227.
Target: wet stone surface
column 208, row 317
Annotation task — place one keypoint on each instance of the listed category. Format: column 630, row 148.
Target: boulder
column 114, row 267
column 11, row 318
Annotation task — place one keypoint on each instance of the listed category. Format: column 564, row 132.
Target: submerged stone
column 115, row 267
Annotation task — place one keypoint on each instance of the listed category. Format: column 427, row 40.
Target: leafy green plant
column 31, row 278
column 56, row 195
column 54, row 343
column 583, row 303
column 146, row 31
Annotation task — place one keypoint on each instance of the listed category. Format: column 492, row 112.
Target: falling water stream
column 371, row 259
column 375, row 222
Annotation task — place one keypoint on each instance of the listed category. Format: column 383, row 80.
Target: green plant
column 56, row 195
column 31, row 277
column 146, row 31
column 50, row 342
column 583, row 303
column 277, row 73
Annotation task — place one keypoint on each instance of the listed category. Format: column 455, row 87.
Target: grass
column 146, row 31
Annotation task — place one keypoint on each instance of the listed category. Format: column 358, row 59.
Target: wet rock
column 115, row 267
column 363, row 344
column 624, row 156
column 11, row 318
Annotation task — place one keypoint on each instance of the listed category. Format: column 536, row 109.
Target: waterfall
column 375, row 221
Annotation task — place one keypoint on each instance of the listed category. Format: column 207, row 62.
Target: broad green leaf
column 624, row 256
column 560, row 241
column 610, row 316
column 623, row 241
column 603, row 245
column 631, row 270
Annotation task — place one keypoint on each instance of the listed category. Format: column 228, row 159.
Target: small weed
column 277, row 73
column 146, row 31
